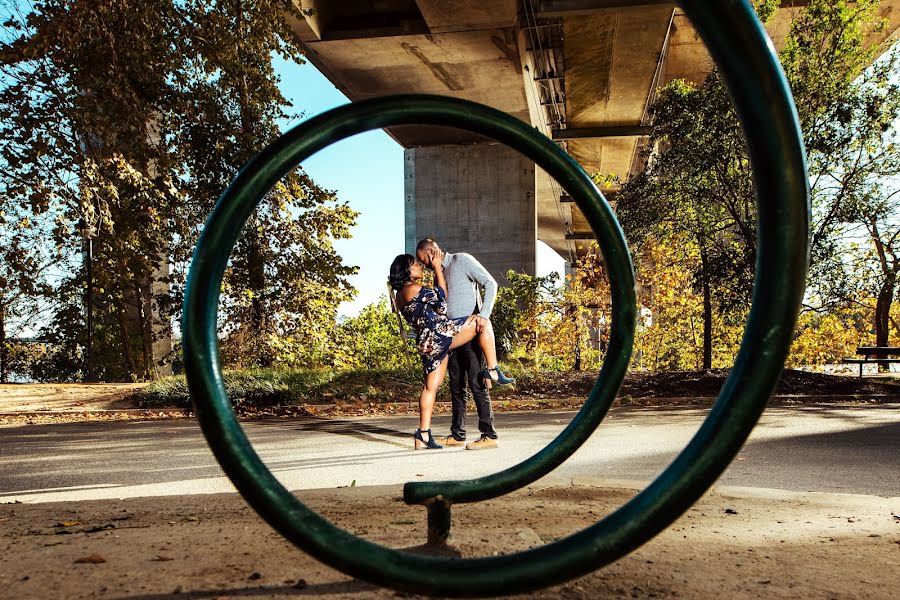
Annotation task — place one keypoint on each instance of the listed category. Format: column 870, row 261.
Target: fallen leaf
column 93, row 559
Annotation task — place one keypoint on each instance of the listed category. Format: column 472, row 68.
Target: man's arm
column 477, row 273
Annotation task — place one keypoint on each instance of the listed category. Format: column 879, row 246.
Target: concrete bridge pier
column 477, row 198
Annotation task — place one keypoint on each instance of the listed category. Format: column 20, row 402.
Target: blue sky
column 367, row 173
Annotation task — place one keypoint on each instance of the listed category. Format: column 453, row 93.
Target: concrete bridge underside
column 584, row 72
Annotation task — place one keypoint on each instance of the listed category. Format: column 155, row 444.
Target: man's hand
column 480, row 323
column 437, row 259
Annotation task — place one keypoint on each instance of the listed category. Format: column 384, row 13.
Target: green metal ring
column 279, row 507
column 762, row 98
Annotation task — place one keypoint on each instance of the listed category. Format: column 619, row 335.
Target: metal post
column 438, row 521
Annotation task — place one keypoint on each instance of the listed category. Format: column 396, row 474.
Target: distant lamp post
column 88, row 233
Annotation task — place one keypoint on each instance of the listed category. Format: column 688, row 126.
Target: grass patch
column 284, row 387
column 288, row 387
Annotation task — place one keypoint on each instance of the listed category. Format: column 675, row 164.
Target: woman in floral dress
column 425, row 309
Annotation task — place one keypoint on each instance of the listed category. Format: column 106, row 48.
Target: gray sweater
column 465, row 276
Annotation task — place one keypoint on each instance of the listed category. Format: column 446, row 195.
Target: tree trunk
column 139, row 304
column 889, row 268
column 145, row 322
column 707, row 312
column 126, row 343
column 4, row 351
column 256, row 280
column 573, row 315
column 883, row 313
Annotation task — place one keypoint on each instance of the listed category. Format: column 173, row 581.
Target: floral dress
column 427, row 314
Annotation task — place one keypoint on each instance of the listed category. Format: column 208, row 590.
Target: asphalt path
column 821, row 448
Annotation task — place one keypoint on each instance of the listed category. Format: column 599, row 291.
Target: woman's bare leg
column 488, row 343
column 428, row 395
column 486, row 340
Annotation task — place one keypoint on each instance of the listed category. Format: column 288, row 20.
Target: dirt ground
column 734, row 543
column 35, row 397
column 55, row 403
column 677, row 385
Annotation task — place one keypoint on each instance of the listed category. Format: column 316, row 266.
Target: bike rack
column 750, row 67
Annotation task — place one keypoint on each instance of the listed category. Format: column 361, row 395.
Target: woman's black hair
column 399, row 275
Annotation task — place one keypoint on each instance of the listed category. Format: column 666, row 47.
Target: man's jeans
column 464, row 366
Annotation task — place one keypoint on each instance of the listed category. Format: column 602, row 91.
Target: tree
column 25, row 282
column 698, row 190
column 697, row 185
column 877, row 214
column 849, row 104
column 134, row 117
column 83, row 94
column 285, row 278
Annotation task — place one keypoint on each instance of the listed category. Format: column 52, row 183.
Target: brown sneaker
column 483, row 443
column 451, row 441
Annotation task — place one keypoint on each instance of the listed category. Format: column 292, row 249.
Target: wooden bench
column 874, row 355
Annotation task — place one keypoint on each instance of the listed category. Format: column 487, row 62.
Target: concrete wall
column 477, row 199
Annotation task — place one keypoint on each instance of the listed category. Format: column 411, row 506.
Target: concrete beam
column 560, row 8
column 445, row 16
column 576, row 133
column 329, row 20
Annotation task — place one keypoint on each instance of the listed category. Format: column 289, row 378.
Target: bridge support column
column 478, row 199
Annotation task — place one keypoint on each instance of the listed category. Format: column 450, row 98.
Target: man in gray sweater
column 465, row 279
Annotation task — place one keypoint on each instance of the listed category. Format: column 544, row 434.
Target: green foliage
column 523, row 312
column 132, row 118
column 370, row 339
column 548, row 324
column 290, row 387
column 697, row 188
column 285, row 279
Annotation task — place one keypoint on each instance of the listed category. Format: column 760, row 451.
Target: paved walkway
column 850, row 449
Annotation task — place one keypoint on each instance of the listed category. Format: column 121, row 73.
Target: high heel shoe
column 501, row 378
column 420, row 442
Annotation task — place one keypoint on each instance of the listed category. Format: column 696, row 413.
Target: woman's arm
column 437, row 263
